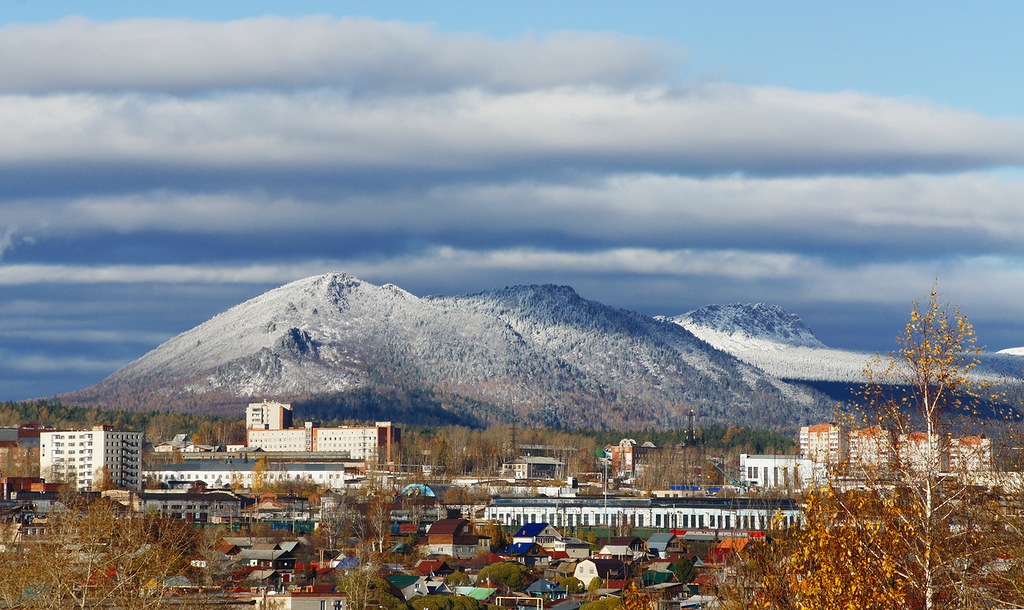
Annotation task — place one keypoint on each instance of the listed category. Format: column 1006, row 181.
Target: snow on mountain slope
column 779, row 343
column 748, row 327
column 538, row 354
column 776, row 342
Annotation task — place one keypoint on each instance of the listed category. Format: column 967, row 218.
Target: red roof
column 428, row 566
column 446, row 527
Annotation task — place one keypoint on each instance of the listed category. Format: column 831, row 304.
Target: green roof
column 402, row 580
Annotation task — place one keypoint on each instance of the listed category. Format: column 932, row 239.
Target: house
column 923, row 453
column 872, row 449
column 434, row 568
column 303, row 599
column 527, row 553
column 663, row 544
column 482, row 594
column 573, row 547
column 544, row 586
column 605, row 569
column 825, row 444
column 728, row 549
column 626, row 548
column 541, row 533
column 410, row 585
column 455, row 538
column 267, row 559
column 534, row 468
column 195, row 504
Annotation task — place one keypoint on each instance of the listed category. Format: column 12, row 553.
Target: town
column 296, row 514
column 303, row 516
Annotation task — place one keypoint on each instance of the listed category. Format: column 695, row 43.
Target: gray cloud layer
column 206, row 162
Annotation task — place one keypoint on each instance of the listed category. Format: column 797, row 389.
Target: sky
column 161, row 162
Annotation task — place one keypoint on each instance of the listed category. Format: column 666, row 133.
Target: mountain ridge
column 537, row 355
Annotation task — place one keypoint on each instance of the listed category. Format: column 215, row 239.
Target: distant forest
column 435, row 422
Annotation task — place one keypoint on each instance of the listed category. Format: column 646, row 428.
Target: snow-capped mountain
column 780, row 344
column 535, row 354
column 748, row 327
column 777, row 342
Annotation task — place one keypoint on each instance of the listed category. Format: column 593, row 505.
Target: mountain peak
column 750, row 326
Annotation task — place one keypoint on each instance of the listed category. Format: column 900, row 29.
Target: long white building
column 239, row 473
column 696, row 518
column 268, row 427
column 85, row 457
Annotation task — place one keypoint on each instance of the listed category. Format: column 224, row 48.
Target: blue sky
column 164, row 161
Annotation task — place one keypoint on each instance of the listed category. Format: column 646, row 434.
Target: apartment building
column 871, row 449
column 269, row 428
column 824, row 444
column 970, row 454
column 84, row 457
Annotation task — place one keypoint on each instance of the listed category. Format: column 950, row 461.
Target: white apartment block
column 824, row 444
column 268, row 428
column 970, row 454
column 81, row 456
column 871, row 449
column 922, row 453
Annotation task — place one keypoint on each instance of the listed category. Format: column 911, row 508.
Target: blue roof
column 519, row 548
column 545, row 586
column 530, row 530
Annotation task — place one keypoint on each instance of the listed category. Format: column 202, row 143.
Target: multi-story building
column 269, row 428
column 824, row 444
column 970, row 454
column 871, row 449
column 93, row 458
column 625, row 457
column 268, row 416
column 922, row 453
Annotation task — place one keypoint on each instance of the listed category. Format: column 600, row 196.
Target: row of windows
column 668, row 520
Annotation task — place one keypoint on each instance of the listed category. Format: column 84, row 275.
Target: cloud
column 816, row 277
column 837, row 216
column 265, row 139
column 371, row 57
column 27, row 274
column 6, row 242
column 36, row 363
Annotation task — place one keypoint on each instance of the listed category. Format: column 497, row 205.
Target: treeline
column 157, row 425
column 726, row 439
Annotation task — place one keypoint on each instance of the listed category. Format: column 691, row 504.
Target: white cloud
column 716, row 128
column 6, row 241
column 274, row 52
